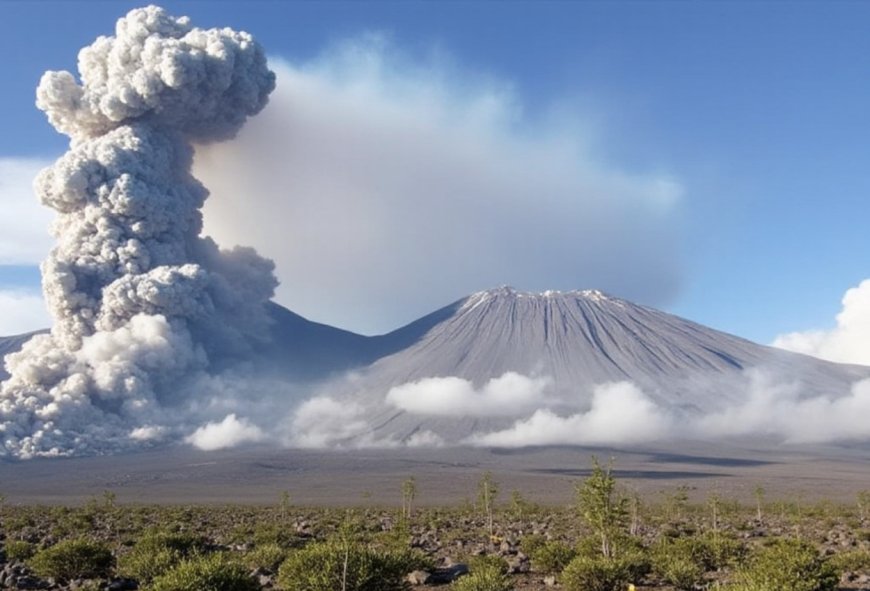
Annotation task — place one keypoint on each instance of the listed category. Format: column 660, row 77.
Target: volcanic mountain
column 575, row 341
column 567, row 343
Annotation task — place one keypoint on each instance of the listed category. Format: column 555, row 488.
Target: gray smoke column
column 141, row 303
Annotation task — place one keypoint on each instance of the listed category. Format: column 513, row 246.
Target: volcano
column 575, row 340
column 568, row 343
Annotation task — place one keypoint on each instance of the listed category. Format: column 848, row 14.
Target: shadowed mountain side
column 306, row 350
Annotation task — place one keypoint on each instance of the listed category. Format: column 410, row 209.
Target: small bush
column 531, row 542
column 73, row 559
column 488, row 561
column 627, row 550
column 788, row 564
column 720, row 550
column 597, row 573
column 273, row 534
column 552, row 557
column 156, row 553
column 19, row 550
column 267, row 556
column 338, row 564
column 487, row 576
column 210, row 572
column 679, row 562
column 852, row 561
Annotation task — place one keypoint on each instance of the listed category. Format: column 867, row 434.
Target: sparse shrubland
column 607, row 540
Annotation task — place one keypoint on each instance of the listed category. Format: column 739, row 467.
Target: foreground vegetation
column 608, row 540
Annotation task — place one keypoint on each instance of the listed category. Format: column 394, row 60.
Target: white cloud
column 22, row 311
column 148, row 433
column 508, row 395
column 425, row 439
column 848, row 342
column 323, row 421
column 24, row 225
column 774, row 406
column 230, row 432
column 384, row 188
column 620, row 413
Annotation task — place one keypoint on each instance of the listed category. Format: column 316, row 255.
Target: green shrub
column 679, row 562
column 788, row 564
column 552, row 557
column 485, row 577
column 531, row 542
column 851, row 561
column 267, row 556
column 721, row 550
column 155, row 553
column 19, row 550
column 210, row 572
column 340, row 564
column 628, row 550
column 273, row 534
column 73, row 559
column 488, row 561
column 597, row 573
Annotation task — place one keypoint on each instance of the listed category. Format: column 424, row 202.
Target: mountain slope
column 579, row 340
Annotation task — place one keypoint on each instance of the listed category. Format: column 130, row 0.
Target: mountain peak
column 509, row 293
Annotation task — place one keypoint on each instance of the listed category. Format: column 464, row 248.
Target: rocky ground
column 450, row 538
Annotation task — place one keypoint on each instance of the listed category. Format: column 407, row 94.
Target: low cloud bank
column 230, row 432
column 510, row 394
column 761, row 403
column 323, row 422
column 620, row 413
column 780, row 409
column 848, row 342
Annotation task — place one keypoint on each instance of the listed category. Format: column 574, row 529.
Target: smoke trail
column 141, row 303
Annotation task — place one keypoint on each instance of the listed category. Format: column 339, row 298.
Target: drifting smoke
column 227, row 433
column 325, row 422
column 447, row 184
column 141, row 303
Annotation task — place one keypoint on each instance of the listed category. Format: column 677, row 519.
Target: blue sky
column 757, row 110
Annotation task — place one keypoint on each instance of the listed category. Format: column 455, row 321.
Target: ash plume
column 141, row 303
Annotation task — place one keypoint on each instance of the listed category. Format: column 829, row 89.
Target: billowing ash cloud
column 848, row 342
column 141, row 303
